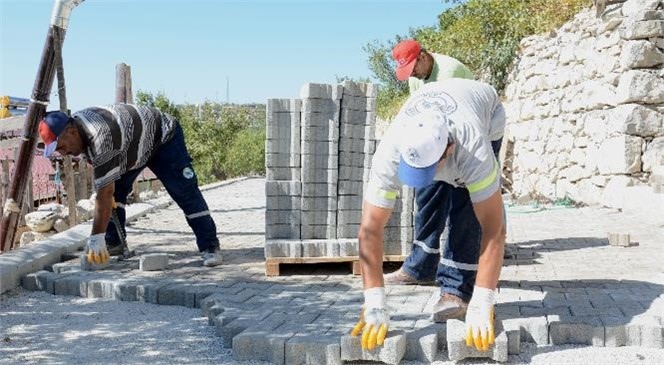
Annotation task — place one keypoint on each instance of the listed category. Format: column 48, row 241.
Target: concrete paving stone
column 148, row 292
column 578, row 303
column 615, row 330
column 332, row 248
column 319, row 190
column 278, row 135
column 283, row 231
column 348, row 247
column 174, row 294
column 567, row 330
column 513, row 332
column 211, row 301
column 349, row 143
column 507, row 311
column 422, row 344
column 283, row 217
column 346, row 217
column 366, row 132
column 326, row 119
column 313, row 90
column 307, row 349
column 153, row 262
column 320, row 105
column 283, row 202
column 73, row 285
column 35, row 281
column 277, row 248
column 456, row 343
column 348, row 173
column 361, row 89
column 213, row 312
column 295, row 249
column 356, row 109
column 283, row 188
column 353, row 159
column 283, row 173
column 319, row 175
column 283, row 105
column 322, row 161
column 325, row 131
column 102, row 288
column 319, row 217
column 347, row 231
column 351, row 188
column 319, row 232
column 62, row 267
column 589, row 311
column 533, row 329
column 286, row 160
column 314, row 248
column 284, row 145
column 543, row 311
column 391, row 352
column 227, row 328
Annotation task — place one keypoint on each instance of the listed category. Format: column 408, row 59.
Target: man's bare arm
column 103, row 204
column 372, row 227
column 490, row 216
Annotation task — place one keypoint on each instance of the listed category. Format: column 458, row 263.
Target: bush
column 483, row 34
column 223, row 140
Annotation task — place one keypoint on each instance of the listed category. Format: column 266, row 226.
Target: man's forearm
column 371, row 257
column 490, row 262
column 103, row 204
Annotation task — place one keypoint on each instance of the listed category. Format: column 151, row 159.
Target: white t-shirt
column 475, row 117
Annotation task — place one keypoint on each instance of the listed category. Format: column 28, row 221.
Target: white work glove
column 374, row 319
column 97, row 252
column 479, row 319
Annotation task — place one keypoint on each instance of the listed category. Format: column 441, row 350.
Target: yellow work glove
column 479, row 319
column 374, row 319
column 97, row 253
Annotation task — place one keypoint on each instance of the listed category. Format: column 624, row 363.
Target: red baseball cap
column 405, row 53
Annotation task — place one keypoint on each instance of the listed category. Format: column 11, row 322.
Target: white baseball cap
column 422, row 143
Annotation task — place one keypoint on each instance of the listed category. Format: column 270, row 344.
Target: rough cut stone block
column 153, row 262
column 456, row 343
column 391, row 352
column 314, row 350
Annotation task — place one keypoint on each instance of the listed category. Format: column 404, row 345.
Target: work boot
column 449, row 306
column 212, row 257
column 400, row 277
column 116, row 249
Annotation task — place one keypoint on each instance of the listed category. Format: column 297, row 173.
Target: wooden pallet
column 273, row 264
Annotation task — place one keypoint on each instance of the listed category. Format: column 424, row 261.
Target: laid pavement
column 562, row 285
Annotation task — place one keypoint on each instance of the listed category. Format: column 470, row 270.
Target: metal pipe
column 36, row 111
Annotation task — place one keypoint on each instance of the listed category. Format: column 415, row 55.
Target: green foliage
column 223, row 140
column 483, row 34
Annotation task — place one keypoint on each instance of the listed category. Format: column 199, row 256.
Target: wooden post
column 70, row 187
column 4, row 180
column 84, row 191
column 124, row 94
column 28, row 201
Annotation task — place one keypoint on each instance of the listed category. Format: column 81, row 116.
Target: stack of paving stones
column 283, row 187
column 318, row 158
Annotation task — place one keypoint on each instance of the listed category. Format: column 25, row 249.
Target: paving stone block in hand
column 458, row 350
column 391, row 352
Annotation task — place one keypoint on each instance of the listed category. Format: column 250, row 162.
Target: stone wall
column 586, row 107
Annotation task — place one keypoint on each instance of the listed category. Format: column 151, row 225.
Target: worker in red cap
column 419, row 66
column 444, row 212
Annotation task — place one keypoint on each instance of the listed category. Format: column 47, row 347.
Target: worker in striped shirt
column 120, row 141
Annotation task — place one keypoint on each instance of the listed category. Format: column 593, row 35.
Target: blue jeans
column 171, row 163
column 446, row 218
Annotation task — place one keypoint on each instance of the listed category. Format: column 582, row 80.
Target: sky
column 188, row 49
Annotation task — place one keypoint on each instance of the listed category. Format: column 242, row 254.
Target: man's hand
column 97, row 252
column 374, row 319
column 479, row 319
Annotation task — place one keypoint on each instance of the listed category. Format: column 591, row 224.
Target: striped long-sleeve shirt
column 122, row 137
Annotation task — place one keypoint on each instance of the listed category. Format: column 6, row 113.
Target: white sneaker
column 212, row 258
